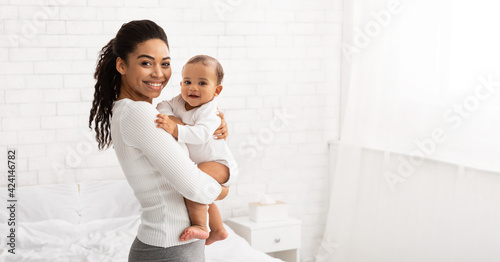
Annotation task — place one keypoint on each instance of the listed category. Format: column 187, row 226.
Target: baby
column 191, row 118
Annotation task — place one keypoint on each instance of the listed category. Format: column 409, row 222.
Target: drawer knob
column 277, row 240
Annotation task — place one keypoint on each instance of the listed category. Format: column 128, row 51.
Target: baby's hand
column 176, row 120
column 167, row 124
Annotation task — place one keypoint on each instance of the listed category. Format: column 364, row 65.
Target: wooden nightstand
column 280, row 239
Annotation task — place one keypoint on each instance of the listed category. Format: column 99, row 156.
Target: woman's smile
column 155, row 85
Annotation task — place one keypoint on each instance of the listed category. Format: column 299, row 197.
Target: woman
column 132, row 70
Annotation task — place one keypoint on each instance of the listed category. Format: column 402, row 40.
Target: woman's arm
column 139, row 130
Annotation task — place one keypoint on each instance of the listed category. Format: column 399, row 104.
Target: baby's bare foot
column 194, row 232
column 216, row 235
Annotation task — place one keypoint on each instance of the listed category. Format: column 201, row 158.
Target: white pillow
column 39, row 203
column 107, row 199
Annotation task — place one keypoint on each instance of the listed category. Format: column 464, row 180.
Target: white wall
column 280, row 57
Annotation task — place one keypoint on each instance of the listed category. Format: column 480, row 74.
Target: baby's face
column 198, row 85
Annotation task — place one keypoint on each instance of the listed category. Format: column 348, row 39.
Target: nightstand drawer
column 280, row 239
column 276, row 239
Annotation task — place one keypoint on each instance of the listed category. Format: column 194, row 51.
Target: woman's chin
column 155, row 93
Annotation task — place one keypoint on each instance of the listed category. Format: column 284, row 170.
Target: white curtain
column 417, row 172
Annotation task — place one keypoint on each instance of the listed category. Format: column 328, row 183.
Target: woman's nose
column 157, row 71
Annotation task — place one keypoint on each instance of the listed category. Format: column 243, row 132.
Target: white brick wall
column 281, row 91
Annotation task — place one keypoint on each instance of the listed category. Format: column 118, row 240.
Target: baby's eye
column 202, row 83
column 187, row 82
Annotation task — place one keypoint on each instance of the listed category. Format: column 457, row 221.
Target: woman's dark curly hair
column 108, row 79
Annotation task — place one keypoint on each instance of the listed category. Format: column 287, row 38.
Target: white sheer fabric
column 433, row 66
column 417, row 170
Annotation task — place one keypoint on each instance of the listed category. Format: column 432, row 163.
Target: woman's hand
column 221, row 132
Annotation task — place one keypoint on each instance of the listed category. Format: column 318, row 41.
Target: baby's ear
column 218, row 89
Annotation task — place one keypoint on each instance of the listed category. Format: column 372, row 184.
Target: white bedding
column 96, row 223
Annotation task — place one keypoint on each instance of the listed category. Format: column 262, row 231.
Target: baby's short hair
column 209, row 61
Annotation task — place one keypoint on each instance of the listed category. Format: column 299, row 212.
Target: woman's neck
column 134, row 96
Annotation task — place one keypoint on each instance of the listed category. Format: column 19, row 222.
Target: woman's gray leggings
column 192, row 252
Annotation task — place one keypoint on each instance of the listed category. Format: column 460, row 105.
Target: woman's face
column 146, row 71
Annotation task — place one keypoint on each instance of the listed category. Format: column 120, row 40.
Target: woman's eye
column 166, row 64
column 145, row 63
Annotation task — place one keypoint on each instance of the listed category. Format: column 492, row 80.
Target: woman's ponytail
column 107, row 90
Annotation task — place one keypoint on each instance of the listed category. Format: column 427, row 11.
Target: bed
column 89, row 221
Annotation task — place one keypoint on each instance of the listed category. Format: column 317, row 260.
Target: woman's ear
column 120, row 65
column 218, row 89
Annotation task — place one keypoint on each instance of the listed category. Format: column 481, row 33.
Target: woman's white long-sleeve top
column 159, row 172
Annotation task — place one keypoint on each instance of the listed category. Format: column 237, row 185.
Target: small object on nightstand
column 279, row 238
column 259, row 212
column 267, row 209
